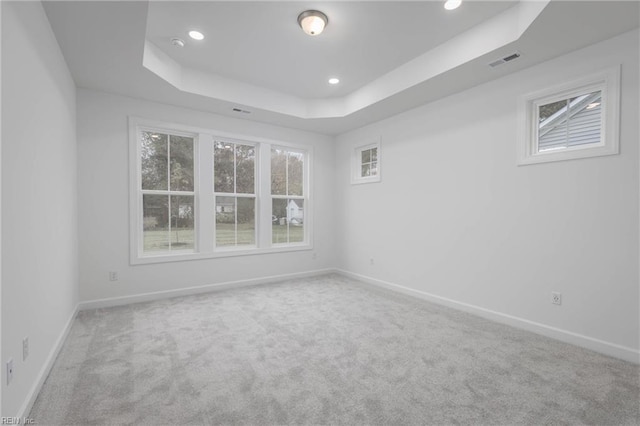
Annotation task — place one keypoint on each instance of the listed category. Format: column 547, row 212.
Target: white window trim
column 608, row 81
column 356, row 163
column 204, row 246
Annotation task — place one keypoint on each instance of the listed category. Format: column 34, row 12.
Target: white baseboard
column 167, row 294
column 46, row 368
column 601, row 346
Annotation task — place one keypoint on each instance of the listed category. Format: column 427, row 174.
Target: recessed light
column 334, row 80
column 452, row 4
column 196, row 35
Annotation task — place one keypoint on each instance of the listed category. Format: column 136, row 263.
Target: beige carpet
column 326, row 350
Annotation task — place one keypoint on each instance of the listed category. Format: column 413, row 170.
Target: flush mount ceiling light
column 452, row 4
column 312, row 22
column 334, row 80
column 196, row 35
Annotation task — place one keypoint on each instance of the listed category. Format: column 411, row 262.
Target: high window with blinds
column 576, row 120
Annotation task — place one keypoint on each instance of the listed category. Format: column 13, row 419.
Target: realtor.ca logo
column 16, row 421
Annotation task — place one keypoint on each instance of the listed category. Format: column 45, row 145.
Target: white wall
column 455, row 217
column 104, row 202
column 39, row 197
column 0, row 204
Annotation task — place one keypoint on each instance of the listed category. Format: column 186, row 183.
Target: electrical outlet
column 9, row 371
column 113, row 276
column 25, row 348
column 556, row 298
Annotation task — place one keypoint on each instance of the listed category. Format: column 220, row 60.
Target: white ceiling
column 255, row 57
column 260, row 43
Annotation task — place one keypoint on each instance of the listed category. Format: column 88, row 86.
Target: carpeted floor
column 325, row 350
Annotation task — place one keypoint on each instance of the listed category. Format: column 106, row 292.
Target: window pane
column 235, row 221
column 585, row 123
column 295, row 177
column 374, row 154
column 155, row 223
column 223, row 167
column 295, row 217
column 279, row 229
column 366, row 170
column 278, row 172
column 373, row 168
column 366, row 156
column 546, row 111
column 288, row 221
column 245, row 169
column 246, row 229
column 182, row 215
column 578, row 122
column 181, row 163
column 154, row 160
column 225, row 221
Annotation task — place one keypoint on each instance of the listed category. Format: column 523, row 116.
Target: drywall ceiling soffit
column 452, row 44
column 104, row 44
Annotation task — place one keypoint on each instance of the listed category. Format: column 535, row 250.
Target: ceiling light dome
column 312, row 22
column 196, row 35
column 452, row 4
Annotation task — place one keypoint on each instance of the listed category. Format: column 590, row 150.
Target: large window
column 287, row 196
column 167, row 192
column 197, row 194
column 234, row 185
column 575, row 120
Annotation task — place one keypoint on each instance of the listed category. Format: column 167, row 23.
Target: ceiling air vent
column 244, row 111
column 508, row 58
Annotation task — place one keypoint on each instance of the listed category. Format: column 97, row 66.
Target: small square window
column 366, row 164
column 576, row 120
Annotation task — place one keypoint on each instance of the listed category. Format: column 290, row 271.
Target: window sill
column 568, row 154
column 358, row 181
column 222, row 253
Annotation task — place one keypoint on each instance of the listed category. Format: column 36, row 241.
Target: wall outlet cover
column 25, row 348
column 9, row 371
